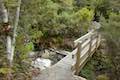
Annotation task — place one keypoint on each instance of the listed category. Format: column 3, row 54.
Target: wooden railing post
column 97, row 40
column 90, row 45
column 78, row 59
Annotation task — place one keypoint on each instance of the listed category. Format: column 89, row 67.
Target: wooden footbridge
column 69, row 67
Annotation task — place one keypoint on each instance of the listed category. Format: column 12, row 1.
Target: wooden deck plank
column 60, row 71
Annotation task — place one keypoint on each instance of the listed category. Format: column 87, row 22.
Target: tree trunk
column 8, row 38
column 10, row 43
column 15, row 29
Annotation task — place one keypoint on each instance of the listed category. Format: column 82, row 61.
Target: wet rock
column 31, row 54
column 46, row 54
column 41, row 63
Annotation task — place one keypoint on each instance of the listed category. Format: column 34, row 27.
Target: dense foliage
column 112, row 34
column 107, row 70
column 43, row 24
column 54, row 24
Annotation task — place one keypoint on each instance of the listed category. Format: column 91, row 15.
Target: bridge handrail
column 85, row 46
column 89, row 34
column 86, row 36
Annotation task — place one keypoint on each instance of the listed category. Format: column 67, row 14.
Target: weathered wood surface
column 60, row 71
column 79, row 78
column 65, row 68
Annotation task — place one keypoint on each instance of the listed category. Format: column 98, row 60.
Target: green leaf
column 5, row 70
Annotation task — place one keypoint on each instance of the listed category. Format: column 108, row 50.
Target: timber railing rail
column 85, row 47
